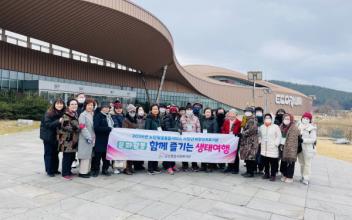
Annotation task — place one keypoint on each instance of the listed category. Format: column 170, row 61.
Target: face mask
column 81, row 100
column 267, row 121
column 196, row 111
column 189, row 112
column 162, row 110
column 287, row 122
column 140, row 113
column 259, row 114
column 305, row 121
column 132, row 114
column 248, row 114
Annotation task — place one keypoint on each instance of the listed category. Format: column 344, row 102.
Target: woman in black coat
column 103, row 124
column 48, row 127
column 153, row 122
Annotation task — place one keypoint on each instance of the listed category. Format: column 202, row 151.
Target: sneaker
column 57, row 172
column 305, row 182
column 289, row 180
column 265, row 177
column 157, row 171
column 68, row 177
column 84, row 175
column 116, row 171
column 51, row 175
column 195, row 169
column 248, row 175
column 170, row 171
column 106, row 173
column 283, row 179
column 127, row 172
column 185, row 169
column 273, row 179
column 175, row 169
column 209, row 170
column 150, row 172
column 227, row 170
column 75, row 164
column 95, row 173
column 244, row 174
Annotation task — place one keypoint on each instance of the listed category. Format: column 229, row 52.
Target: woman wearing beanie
column 249, row 142
column 190, row 123
column 269, row 138
column 289, row 147
column 153, row 122
column 68, row 137
column 118, row 118
column 130, row 121
column 103, row 124
column 309, row 136
column 279, row 116
column 48, row 127
column 172, row 123
column 86, row 138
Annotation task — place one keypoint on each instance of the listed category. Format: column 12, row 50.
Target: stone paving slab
column 27, row 193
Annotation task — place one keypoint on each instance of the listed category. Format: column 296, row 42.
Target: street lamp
column 267, row 92
column 253, row 76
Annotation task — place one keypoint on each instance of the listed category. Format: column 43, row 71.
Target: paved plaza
column 27, row 193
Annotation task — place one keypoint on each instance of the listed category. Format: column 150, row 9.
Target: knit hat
column 105, row 104
column 189, row 106
column 117, row 104
column 195, row 105
column 249, row 109
column 173, row 109
column 307, row 115
column 131, row 108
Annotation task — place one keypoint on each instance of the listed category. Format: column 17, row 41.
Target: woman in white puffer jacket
column 269, row 138
column 309, row 136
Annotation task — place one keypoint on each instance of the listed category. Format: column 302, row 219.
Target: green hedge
column 20, row 105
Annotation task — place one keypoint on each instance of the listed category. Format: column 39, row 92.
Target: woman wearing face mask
column 172, row 123
column 249, row 142
column 269, row 138
column 279, row 116
column 190, row 123
column 289, row 146
column 141, row 117
column 220, row 119
column 68, row 137
column 86, row 139
column 208, row 125
column 309, row 136
column 259, row 111
column 130, row 122
column 48, row 127
column 103, row 124
column 153, row 122
column 232, row 125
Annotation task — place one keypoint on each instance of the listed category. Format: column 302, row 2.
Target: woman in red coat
column 232, row 126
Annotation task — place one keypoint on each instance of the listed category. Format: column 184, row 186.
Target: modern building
column 114, row 48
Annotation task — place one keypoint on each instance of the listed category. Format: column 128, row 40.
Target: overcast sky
column 299, row 41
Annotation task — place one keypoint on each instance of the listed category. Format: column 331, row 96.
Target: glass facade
column 235, row 81
column 29, row 83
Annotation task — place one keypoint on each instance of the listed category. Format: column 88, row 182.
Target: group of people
column 268, row 144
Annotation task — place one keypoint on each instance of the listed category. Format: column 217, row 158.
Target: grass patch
column 326, row 147
column 10, row 126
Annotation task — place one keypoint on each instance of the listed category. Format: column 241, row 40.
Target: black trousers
column 185, row 164
column 287, row 169
column 260, row 163
column 100, row 156
column 270, row 165
column 168, row 164
column 138, row 164
column 153, row 165
column 51, row 157
column 235, row 166
column 67, row 159
column 251, row 166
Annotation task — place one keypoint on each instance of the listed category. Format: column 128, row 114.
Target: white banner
column 146, row 145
